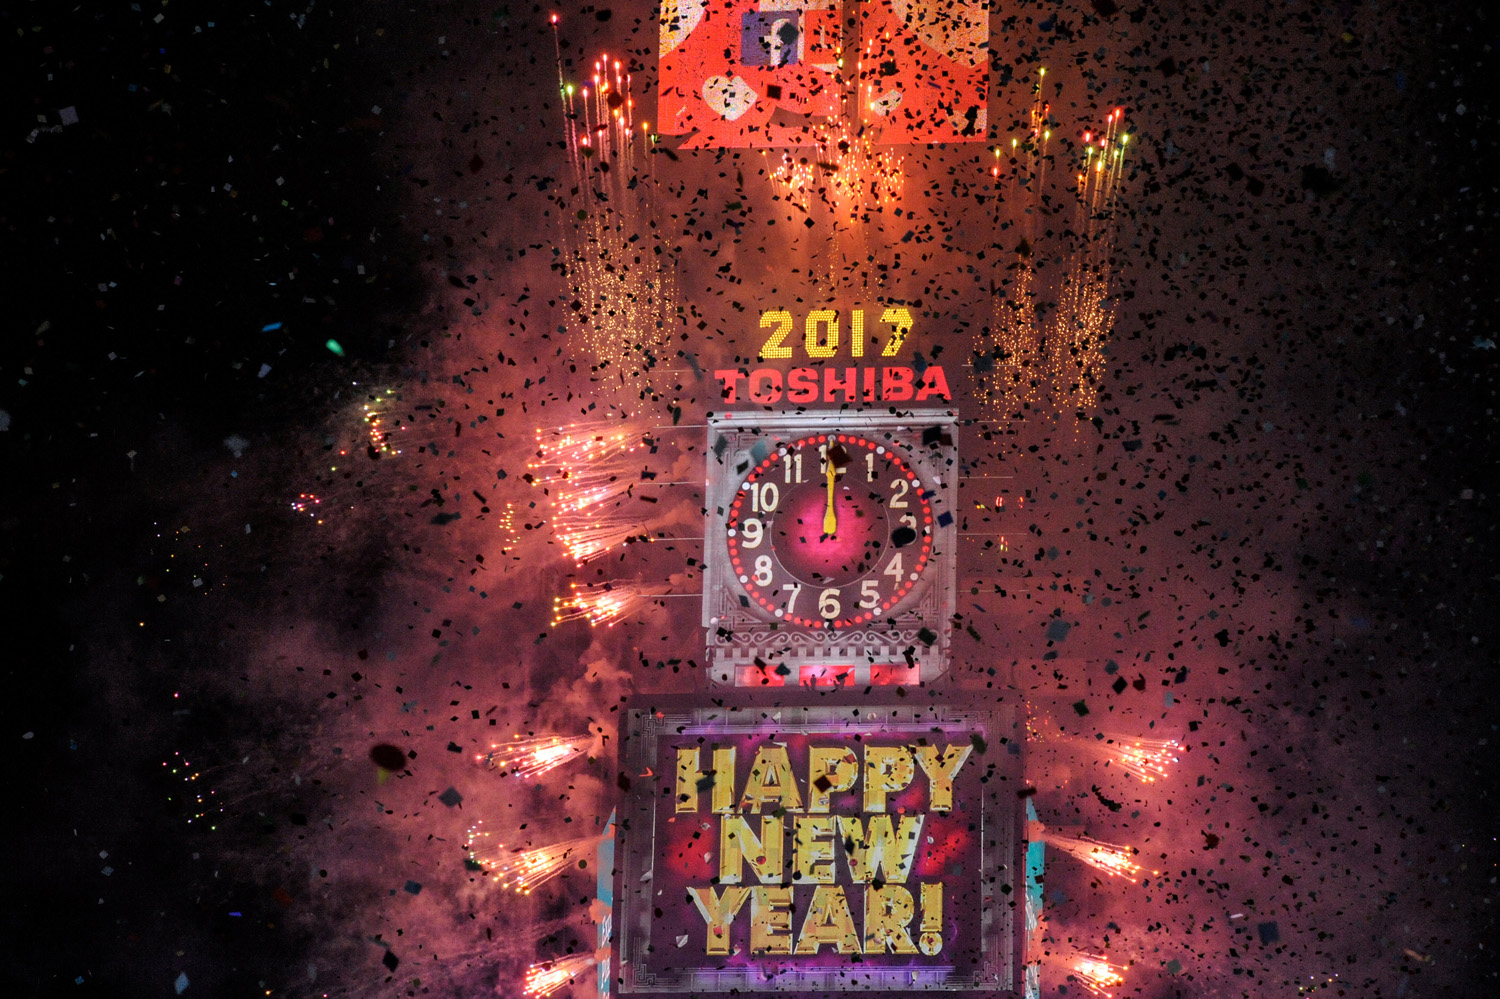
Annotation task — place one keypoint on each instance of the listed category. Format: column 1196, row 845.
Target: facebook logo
column 771, row 38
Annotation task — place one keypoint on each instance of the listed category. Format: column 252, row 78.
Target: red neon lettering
column 802, row 385
column 848, row 384
column 897, row 384
column 771, row 379
column 934, row 382
column 730, row 379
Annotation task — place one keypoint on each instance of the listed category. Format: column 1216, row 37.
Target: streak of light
column 1096, row 975
column 528, row 758
column 549, row 976
column 524, row 870
column 1107, row 857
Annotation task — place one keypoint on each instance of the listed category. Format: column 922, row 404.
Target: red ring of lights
column 864, row 615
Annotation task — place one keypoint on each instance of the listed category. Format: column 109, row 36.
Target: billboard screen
column 767, row 73
column 821, row 845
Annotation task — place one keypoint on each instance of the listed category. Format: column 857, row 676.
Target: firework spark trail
column 587, row 473
column 529, row 758
column 1107, row 857
column 1014, row 343
column 1096, row 975
column 618, row 267
column 1145, row 759
column 524, row 870
column 374, row 430
column 1085, row 315
column 854, row 178
column 601, row 604
column 547, row 977
column 587, row 464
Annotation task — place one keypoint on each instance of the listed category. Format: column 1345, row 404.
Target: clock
column 829, row 545
column 830, row 530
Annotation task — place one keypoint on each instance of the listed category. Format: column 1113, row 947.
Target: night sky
column 235, row 230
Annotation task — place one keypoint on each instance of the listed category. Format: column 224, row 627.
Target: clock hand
column 830, row 519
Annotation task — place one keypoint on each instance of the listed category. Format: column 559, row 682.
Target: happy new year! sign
column 816, row 847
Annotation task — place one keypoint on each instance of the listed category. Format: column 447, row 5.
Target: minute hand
column 830, row 519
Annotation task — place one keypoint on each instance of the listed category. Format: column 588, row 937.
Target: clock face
column 832, row 530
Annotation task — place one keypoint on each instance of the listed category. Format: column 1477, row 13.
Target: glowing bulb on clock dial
column 830, row 530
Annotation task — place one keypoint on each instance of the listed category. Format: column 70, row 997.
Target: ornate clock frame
column 747, row 648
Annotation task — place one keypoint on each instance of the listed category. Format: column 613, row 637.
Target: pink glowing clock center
column 819, row 559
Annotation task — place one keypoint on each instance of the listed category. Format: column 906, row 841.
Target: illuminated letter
column 941, row 770
column 718, row 912
column 829, row 769
column 887, row 768
column 738, row 844
column 828, row 922
column 802, row 385
column 869, row 852
column 857, row 333
column 934, row 382
column 731, row 379
column 770, row 920
column 848, row 384
column 771, row 782
column 869, row 384
column 828, row 319
column 888, row 913
column 812, row 850
column 932, row 918
column 691, row 780
column 896, row 384
column 769, row 377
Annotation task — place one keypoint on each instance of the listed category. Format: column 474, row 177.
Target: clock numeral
column 893, row 568
column 869, row 466
column 764, row 496
column 828, row 603
column 793, row 467
column 754, row 531
column 791, row 601
column 898, row 501
column 909, row 520
column 762, row 575
column 869, row 593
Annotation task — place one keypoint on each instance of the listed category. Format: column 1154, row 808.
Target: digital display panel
column 769, row 73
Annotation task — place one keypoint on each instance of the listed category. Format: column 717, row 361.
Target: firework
column 599, row 604
column 1096, row 975
column 211, row 791
column 1145, row 759
column 1107, row 857
column 1085, row 314
column 618, row 265
column 381, row 424
column 856, row 180
column 1055, row 363
column 522, row 870
column 547, row 977
column 1012, row 349
column 586, row 471
column 372, row 430
column 533, row 757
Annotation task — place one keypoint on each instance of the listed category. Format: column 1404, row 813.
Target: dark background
column 1338, row 411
